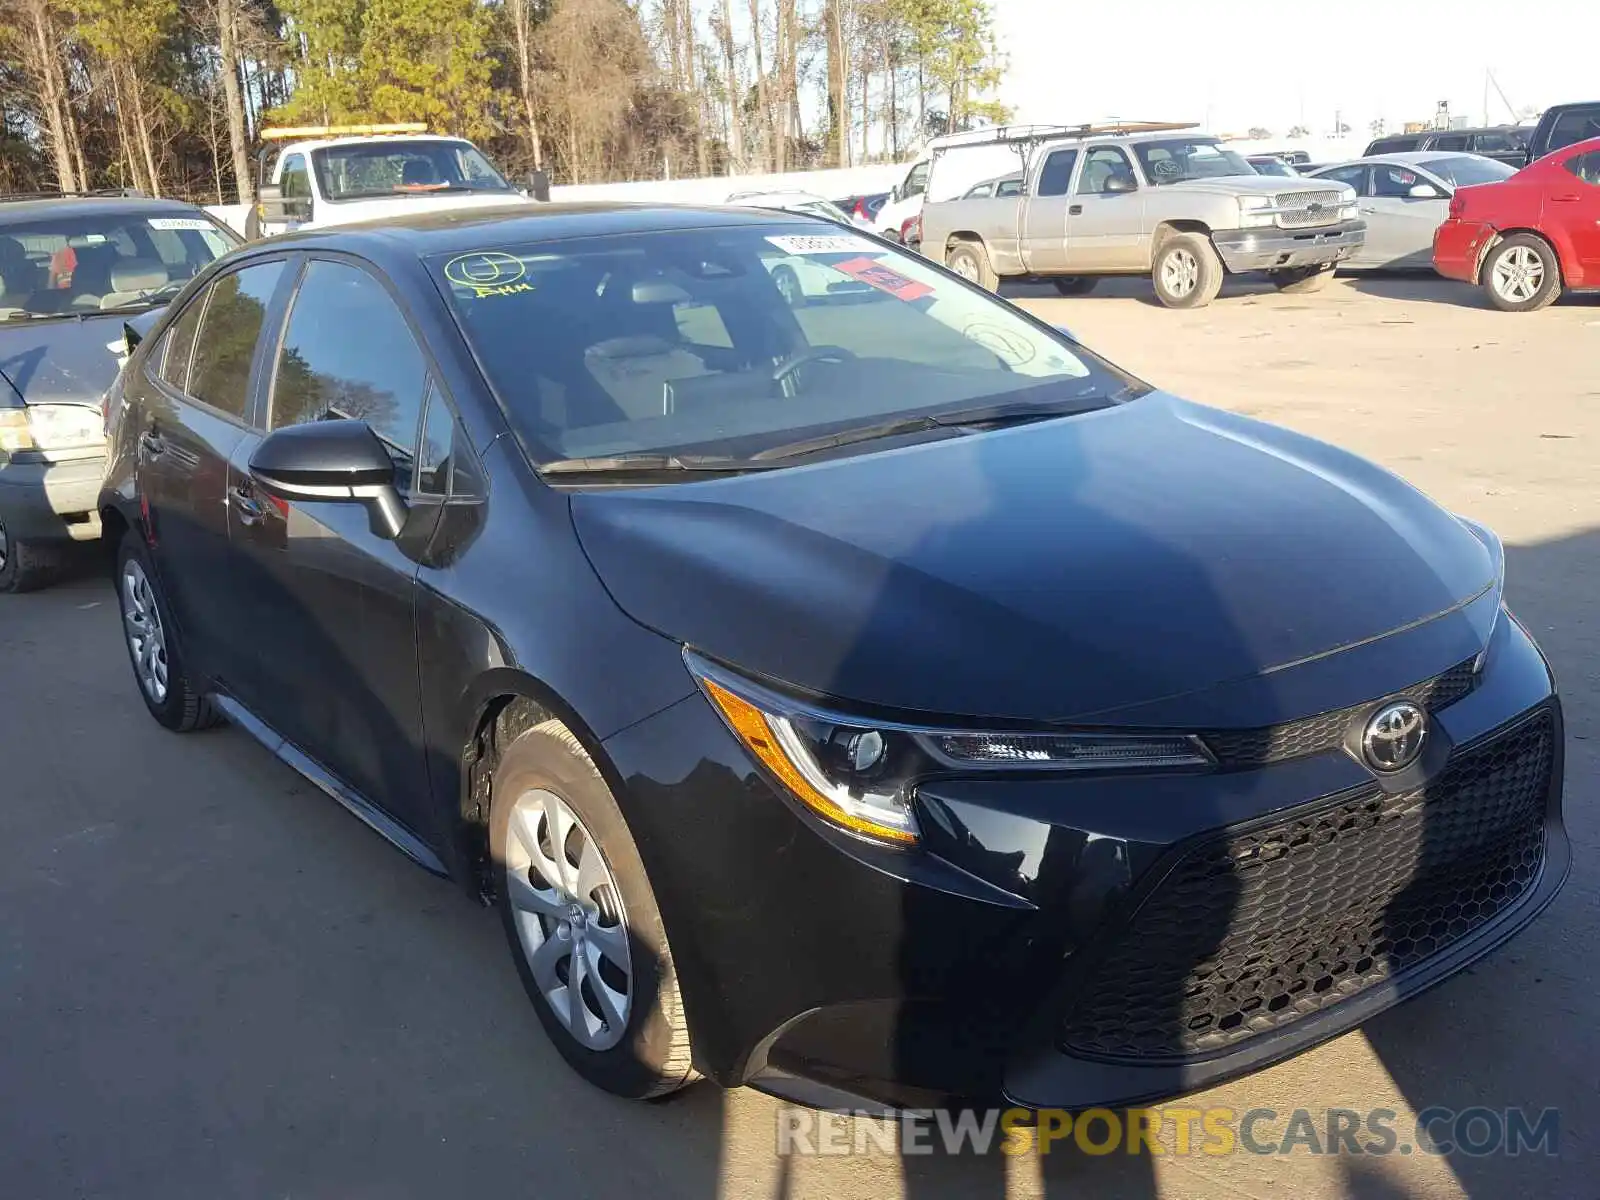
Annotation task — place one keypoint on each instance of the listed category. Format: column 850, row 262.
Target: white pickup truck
column 336, row 175
column 1178, row 206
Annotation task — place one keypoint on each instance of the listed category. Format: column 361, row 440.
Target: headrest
column 138, row 275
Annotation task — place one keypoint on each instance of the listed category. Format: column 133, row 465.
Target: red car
column 1529, row 237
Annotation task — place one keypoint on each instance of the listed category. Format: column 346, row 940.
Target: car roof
column 49, row 207
column 1406, row 158
column 461, row 231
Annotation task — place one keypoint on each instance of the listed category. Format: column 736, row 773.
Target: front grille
column 1295, row 208
column 1236, row 748
column 1254, row 931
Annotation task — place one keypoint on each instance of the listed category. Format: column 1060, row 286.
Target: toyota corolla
column 885, row 697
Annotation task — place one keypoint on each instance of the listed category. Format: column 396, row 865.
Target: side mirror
column 1424, row 191
column 539, row 185
column 1121, row 185
column 1064, row 332
column 332, row 461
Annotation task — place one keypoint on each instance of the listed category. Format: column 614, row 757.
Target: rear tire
column 1522, row 274
column 1297, row 281
column 1076, row 285
column 26, row 566
column 1187, row 272
column 971, row 261
column 164, row 682
column 553, row 815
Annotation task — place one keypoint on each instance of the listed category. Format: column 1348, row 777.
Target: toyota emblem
column 1394, row 736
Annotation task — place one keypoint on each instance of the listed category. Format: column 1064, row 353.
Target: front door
column 1400, row 226
column 332, row 603
column 193, row 404
column 1044, row 225
column 1105, row 216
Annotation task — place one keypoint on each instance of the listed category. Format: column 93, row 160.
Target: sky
column 1233, row 64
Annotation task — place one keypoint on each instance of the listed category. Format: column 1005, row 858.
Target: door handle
column 1075, row 210
column 152, row 443
column 247, row 506
column 1565, row 199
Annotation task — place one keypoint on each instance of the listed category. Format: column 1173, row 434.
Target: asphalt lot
column 214, row 983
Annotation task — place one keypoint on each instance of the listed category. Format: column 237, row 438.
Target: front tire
column 1522, row 274
column 1297, row 281
column 1187, row 272
column 164, row 682
column 582, row 920
column 26, row 566
column 971, row 261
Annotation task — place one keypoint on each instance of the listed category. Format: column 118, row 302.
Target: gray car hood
column 64, row 361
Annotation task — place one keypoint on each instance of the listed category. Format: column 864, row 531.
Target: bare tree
column 722, row 26
column 31, row 26
column 521, row 14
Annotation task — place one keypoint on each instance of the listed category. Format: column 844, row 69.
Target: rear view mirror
column 333, row 461
column 1424, row 191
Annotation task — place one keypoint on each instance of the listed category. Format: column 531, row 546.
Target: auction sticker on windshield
column 871, row 271
column 821, row 243
column 488, row 273
column 180, row 223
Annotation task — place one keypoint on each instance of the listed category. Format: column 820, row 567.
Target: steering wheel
column 788, row 366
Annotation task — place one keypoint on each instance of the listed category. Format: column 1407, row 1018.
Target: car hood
column 1056, row 571
column 65, row 361
column 382, row 208
column 1249, row 185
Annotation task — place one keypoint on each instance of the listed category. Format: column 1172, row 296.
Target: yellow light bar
column 751, row 725
column 317, row 131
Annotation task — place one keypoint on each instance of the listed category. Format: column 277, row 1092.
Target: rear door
column 333, row 624
column 1103, row 226
column 192, row 411
column 1400, row 226
column 1572, row 207
column 1044, row 215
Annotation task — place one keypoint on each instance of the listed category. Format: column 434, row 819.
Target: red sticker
column 873, row 273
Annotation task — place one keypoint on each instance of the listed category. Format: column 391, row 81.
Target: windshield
column 91, row 263
column 733, row 340
column 1469, row 169
column 362, row 170
column 1271, row 166
column 1178, row 159
column 822, row 208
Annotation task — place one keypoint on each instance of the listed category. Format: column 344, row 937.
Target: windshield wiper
column 26, row 315
column 849, row 437
column 646, row 462
column 1019, row 412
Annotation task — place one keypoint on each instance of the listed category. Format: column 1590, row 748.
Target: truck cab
column 337, row 175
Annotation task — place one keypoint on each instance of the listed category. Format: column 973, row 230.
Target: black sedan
column 883, row 698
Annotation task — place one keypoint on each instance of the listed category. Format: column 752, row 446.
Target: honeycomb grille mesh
column 1250, row 933
column 1294, row 208
column 1314, row 735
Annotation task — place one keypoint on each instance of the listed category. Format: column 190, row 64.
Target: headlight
column 1497, row 554
column 45, row 429
column 861, row 775
column 1257, row 212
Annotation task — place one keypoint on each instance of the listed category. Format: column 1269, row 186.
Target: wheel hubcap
column 1519, row 274
column 147, row 638
column 569, row 918
column 1180, row 272
column 5, row 547
column 963, row 266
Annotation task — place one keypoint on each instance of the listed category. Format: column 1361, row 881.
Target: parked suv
column 1561, row 125
column 1179, row 206
column 1505, row 143
column 73, row 270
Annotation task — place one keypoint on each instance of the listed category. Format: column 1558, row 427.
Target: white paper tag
column 180, row 223
column 823, row 243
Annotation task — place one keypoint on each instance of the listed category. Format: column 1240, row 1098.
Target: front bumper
column 52, row 501
column 831, row 971
column 1272, row 249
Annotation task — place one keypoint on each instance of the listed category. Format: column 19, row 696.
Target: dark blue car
column 881, row 698
column 72, row 271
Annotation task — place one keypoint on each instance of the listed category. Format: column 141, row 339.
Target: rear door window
column 1576, row 125
column 1585, row 166
column 1451, row 141
column 348, row 352
column 1394, row 183
column 1056, row 175
column 225, row 346
column 1355, row 176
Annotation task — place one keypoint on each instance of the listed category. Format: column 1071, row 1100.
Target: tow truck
column 323, row 175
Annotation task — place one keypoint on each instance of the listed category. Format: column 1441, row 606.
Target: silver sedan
column 1404, row 198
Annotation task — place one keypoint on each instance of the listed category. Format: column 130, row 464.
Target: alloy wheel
column 964, row 266
column 569, row 918
column 1519, row 274
column 147, row 638
column 1180, row 273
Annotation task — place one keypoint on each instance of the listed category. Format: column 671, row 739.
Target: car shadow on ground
column 1426, row 287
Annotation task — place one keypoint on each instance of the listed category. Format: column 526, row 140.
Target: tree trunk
column 522, row 25
column 730, row 66
column 866, row 113
column 54, row 105
column 142, row 132
column 838, row 153
column 228, row 43
column 769, row 119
